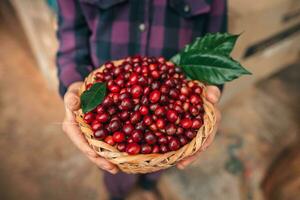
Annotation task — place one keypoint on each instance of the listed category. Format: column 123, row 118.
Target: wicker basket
column 146, row 163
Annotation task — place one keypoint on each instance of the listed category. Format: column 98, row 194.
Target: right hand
column 72, row 130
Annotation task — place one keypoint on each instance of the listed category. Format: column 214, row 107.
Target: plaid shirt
column 91, row 32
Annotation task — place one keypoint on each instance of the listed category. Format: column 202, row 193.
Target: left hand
column 72, row 130
column 213, row 95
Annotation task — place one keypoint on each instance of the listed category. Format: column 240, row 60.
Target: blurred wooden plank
column 264, row 64
column 38, row 23
column 257, row 22
column 260, row 20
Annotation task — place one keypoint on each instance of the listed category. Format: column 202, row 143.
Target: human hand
column 72, row 130
column 213, row 95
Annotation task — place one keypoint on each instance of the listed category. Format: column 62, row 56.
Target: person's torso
column 146, row 27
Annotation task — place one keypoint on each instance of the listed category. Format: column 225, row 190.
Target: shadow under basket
column 146, row 163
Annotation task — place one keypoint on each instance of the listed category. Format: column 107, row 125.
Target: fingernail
column 74, row 103
column 180, row 166
column 214, row 99
column 114, row 171
column 108, row 167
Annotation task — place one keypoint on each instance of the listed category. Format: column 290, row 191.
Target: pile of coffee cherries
column 150, row 106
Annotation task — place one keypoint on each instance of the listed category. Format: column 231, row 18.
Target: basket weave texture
column 146, row 163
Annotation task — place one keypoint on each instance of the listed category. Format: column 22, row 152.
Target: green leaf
column 211, row 68
column 208, row 59
column 176, row 59
column 91, row 98
column 216, row 43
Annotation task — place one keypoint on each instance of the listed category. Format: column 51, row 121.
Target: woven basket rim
column 108, row 151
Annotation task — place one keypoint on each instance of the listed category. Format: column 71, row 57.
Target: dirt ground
column 39, row 162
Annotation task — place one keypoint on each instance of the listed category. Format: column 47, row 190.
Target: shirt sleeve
column 73, row 57
column 217, row 17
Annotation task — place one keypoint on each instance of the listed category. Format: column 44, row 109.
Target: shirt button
column 142, row 27
column 186, row 8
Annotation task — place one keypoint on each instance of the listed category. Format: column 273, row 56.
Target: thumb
column 71, row 98
column 72, row 101
column 213, row 94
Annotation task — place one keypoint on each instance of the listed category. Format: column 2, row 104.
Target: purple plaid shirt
column 91, row 32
